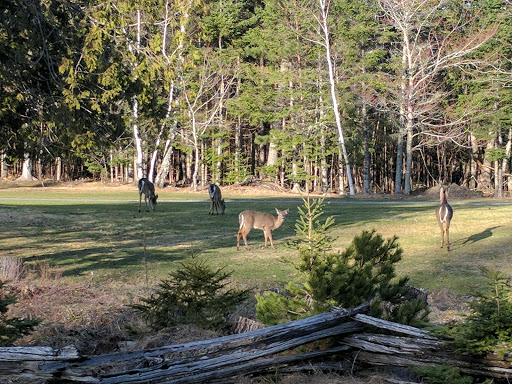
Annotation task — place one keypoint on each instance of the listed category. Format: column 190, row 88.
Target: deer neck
column 278, row 221
column 444, row 200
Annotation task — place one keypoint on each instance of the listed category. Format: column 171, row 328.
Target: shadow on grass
column 479, row 236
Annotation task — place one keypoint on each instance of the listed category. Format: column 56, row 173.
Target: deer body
column 444, row 214
column 216, row 199
column 147, row 188
column 253, row 219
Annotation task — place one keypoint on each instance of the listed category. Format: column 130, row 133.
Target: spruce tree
column 364, row 272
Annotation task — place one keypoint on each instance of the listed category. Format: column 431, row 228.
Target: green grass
column 100, row 232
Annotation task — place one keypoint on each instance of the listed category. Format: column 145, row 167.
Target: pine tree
column 364, row 272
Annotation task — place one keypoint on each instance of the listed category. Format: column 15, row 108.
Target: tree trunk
column 3, row 166
column 408, row 157
column 366, row 149
column 26, row 173
column 327, row 45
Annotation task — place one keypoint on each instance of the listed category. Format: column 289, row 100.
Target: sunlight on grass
column 102, row 233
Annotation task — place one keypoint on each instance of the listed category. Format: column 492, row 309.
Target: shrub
column 195, row 293
column 442, row 374
column 11, row 329
column 488, row 327
column 363, row 272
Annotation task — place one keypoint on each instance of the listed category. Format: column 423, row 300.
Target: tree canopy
column 342, row 96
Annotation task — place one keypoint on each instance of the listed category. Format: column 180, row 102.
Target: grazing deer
column 147, row 188
column 444, row 214
column 267, row 223
column 216, row 199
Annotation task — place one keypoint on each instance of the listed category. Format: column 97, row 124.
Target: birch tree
column 434, row 36
column 322, row 19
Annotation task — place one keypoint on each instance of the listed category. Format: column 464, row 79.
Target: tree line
column 332, row 95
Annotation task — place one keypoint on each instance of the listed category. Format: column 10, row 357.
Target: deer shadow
column 478, row 236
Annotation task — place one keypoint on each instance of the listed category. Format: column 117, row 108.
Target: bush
column 11, row 329
column 488, row 327
column 195, row 293
column 442, row 374
column 363, row 272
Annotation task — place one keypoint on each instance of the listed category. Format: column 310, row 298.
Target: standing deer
column 267, row 223
column 216, row 199
column 147, row 188
column 444, row 214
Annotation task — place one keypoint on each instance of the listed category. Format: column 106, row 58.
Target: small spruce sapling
column 195, row 293
column 364, row 272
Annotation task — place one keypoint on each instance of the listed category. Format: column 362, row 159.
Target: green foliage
column 364, row 272
column 441, row 374
column 488, row 327
column 11, row 329
column 195, row 293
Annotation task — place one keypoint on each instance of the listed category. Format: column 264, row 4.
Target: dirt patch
column 454, row 192
column 446, row 308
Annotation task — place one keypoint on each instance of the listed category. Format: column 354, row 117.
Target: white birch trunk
column 324, row 12
column 26, row 173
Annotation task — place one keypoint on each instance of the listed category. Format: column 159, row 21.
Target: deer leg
column 238, row 240
column 271, row 240
column 146, row 201
column 211, row 208
column 241, row 233
column 140, row 200
column 442, row 232
column 448, row 236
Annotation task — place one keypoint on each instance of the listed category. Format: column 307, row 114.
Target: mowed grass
column 99, row 232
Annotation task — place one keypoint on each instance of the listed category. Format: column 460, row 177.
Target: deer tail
column 241, row 221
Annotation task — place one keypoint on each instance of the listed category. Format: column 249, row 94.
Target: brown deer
column 147, row 188
column 267, row 223
column 216, row 199
column 444, row 214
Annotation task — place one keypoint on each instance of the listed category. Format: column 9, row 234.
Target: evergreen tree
column 364, row 272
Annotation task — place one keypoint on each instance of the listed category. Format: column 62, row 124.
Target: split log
column 172, row 361
column 24, row 361
column 416, row 352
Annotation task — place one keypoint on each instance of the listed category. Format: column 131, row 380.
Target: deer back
column 260, row 220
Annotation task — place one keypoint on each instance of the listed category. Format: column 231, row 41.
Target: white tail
column 444, row 214
column 147, row 188
column 253, row 219
column 216, row 199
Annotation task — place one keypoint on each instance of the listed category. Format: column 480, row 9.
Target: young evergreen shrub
column 11, row 329
column 364, row 272
column 195, row 293
column 489, row 326
column 442, row 374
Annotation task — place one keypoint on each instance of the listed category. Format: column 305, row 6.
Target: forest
column 345, row 96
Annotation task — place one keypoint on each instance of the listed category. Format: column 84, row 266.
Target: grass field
column 76, row 231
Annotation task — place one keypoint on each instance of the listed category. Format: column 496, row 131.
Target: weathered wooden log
column 192, row 370
column 25, row 362
column 211, row 354
column 414, row 352
column 390, row 326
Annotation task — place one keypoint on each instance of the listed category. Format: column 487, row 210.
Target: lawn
column 96, row 232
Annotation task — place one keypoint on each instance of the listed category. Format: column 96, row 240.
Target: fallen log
column 415, row 352
column 172, row 361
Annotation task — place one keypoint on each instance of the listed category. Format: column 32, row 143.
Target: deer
column 264, row 221
column 444, row 214
column 216, row 199
column 147, row 188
